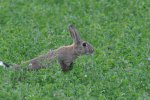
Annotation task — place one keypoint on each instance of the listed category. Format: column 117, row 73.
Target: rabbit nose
column 91, row 50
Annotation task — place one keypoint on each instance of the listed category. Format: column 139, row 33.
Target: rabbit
column 65, row 55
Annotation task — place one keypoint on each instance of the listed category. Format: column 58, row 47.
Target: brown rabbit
column 65, row 54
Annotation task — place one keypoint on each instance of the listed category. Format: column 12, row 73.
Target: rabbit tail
column 3, row 64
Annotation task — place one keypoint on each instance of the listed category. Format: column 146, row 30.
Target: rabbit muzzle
column 89, row 50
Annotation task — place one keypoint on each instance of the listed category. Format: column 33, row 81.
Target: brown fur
column 65, row 54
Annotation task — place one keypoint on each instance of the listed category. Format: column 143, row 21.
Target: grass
column 119, row 30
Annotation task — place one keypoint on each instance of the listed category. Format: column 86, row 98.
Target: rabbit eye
column 84, row 44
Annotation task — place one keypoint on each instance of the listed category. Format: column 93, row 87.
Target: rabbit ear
column 74, row 34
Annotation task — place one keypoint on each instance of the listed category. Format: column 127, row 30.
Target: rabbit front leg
column 64, row 66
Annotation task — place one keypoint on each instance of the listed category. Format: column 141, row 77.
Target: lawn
column 119, row 31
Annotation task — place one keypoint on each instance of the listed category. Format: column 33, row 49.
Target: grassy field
column 119, row 30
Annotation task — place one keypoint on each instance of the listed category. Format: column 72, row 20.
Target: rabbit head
column 80, row 47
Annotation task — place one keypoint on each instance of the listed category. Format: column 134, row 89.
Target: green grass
column 119, row 30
